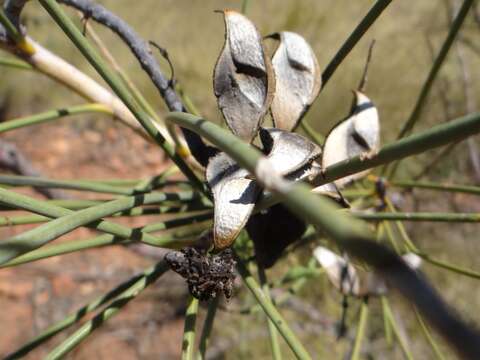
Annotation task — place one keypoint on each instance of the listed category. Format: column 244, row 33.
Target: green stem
column 429, row 336
column 188, row 342
column 118, row 87
column 439, row 60
column 274, row 344
column 140, row 211
column 149, row 277
column 53, row 115
column 12, row 31
column 448, row 266
column 353, row 39
column 15, row 180
column 184, row 228
column 436, row 186
column 318, row 138
column 207, row 328
column 15, row 63
column 74, row 317
column 245, row 4
column 437, row 64
column 362, row 323
column 295, row 345
column 391, row 319
column 418, row 216
column 68, row 220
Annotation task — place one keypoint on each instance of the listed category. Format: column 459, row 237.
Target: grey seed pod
column 287, row 151
column 359, row 134
column 298, row 80
column 243, row 79
column 234, row 198
column 356, row 282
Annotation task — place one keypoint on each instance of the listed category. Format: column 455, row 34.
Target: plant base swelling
column 206, row 275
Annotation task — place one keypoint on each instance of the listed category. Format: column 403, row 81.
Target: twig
column 427, row 85
column 354, row 37
column 363, row 81
column 147, row 61
column 11, row 158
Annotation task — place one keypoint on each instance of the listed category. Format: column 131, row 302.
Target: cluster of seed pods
column 248, row 84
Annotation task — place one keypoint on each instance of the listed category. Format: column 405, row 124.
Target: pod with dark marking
column 298, row 79
column 234, row 198
column 350, row 281
column 243, row 79
column 288, row 151
column 359, row 134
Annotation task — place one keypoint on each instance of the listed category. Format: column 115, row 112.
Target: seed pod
column 358, row 134
column 287, row 151
column 243, row 78
column 332, row 192
column 234, row 198
column 346, row 278
column 350, row 281
column 298, row 80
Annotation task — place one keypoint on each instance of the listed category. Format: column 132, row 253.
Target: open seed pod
column 355, row 282
column 298, row 80
column 288, row 151
column 358, row 134
column 243, row 78
column 234, row 198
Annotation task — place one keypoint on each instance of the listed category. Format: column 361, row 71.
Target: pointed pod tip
column 360, row 98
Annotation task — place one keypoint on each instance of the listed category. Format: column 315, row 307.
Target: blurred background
column 408, row 36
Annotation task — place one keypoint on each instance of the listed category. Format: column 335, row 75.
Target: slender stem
column 184, row 229
column 362, row 323
column 467, row 189
column 427, row 86
column 386, row 321
column 68, row 220
column 15, row 180
column 418, row 216
column 12, row 31
column 245, row 4
column 15, row 63
column 74, row 317
column 295, row 345
column 318, row 138
column 411, row 247
column 353, row 39
column 54, row 115
column 117, row 86
column 445, row 265
column 391, row 319
column 120, row 301
column 140, row 211
column 188, row 342
column 430, row 339
column 207, row 328
column 274, row 344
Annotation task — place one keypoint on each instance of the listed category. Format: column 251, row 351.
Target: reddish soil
column 33, row 296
